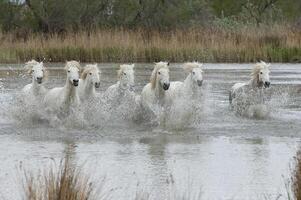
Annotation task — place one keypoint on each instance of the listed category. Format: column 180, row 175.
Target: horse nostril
column 39, row 79
column 166, row 86
column 97, row 84
column 75, row 82
column 200, row 82
column 267, row 84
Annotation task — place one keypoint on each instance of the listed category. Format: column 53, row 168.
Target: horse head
column 73, row 69
column 37, row 70
column 160, row 75
column 92, row 74
column 126, row 76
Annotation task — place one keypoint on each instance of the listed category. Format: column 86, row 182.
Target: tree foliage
column 57, row 16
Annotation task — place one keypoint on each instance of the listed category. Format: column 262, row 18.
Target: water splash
column 125, row 111
column 187, row 111
column 261, row 104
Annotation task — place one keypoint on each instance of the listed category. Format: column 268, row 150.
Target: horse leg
column 230, row 97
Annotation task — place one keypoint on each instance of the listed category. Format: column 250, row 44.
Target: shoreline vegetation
column 227, row 31
column 68, row 181
column 277, row 43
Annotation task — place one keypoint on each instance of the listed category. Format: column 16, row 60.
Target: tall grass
column 296, row 178
column 68, row 182
column 248, row 44
column 65, row 183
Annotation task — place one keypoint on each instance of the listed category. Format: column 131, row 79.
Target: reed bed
column 65, row 184
column 248, row 44
column 296, row 178
column 68, row 182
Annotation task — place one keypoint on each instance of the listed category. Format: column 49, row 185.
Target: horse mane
column 124, row 67
column 158, row 66
column 89, row 68
column 189, row 66
column 29, row 65
column 256, row 69
column 73, row 63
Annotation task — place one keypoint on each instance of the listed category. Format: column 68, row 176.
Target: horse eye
column 159, row 72
column 90, row 73
column 260, row 72
column 124, row 73
column 68, row 71
column 193, row 73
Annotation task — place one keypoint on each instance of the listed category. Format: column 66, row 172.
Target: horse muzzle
column 75, row 82
column 267, row 84
column 39, row 80
column 97, row 84
column 166, row 86
column 199, row 82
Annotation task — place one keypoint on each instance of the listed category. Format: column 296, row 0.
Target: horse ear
column 167, row 63
column 262, row 62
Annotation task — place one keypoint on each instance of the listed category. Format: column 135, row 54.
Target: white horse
column 35, row 89
column 124, row 85
column 62, row 98
column 191, row 85
column 154, row 93
column 260, row 79
column 90, row 79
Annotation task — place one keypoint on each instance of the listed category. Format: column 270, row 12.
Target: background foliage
column 57, row 16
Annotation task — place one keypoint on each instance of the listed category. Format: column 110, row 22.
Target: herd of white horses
column 81, row 84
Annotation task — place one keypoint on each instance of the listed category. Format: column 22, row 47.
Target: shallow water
column 224, row 155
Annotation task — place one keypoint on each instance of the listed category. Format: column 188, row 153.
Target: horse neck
column 70, row 92
column 36, row 88
column 159, row 92
column 254, row 83
column 89, row 89
column 122, row 85
column 189, row 85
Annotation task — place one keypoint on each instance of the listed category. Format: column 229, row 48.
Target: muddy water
column 223, row 155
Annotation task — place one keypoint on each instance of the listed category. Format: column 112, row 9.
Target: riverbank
column 249, row 44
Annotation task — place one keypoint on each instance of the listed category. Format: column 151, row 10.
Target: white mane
column 89, row 68
column 158, row 66
column 257, row 68
column 29, row 65
column 124, row 67
column 189, row 66
column 72, row 63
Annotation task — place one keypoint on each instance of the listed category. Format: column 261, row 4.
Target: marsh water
column 222, row 156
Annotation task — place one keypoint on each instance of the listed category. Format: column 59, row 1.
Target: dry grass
column 296, row 178
column 66, row 183
column 249, row 44
column 69, row 183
